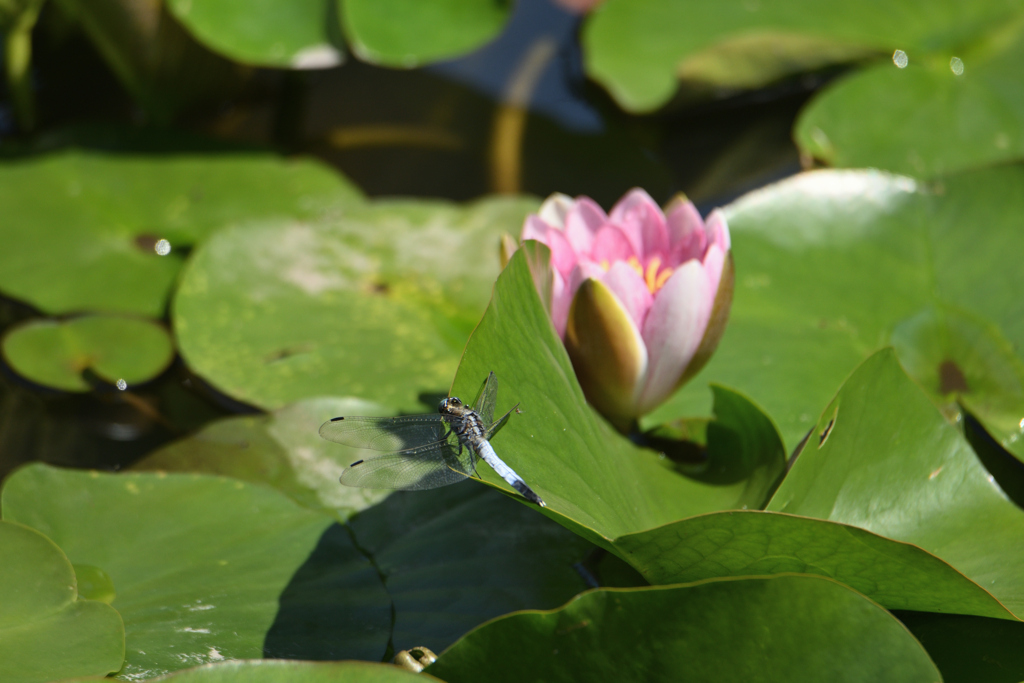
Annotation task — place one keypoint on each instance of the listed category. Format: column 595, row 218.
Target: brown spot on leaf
column 951, row 378
column 146, row 242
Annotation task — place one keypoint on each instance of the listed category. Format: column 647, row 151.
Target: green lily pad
column 377, row 304
column 957, row 109
column 638, row 49
column 82, row 230
column 785, row 628
column 450, row 558
column 409, row 33
column 201, row 563
column 594, row 480
column 833, row 265
column 56, row 353
column 283, row 449
column 289, row 34
column 48, row 631
column 281, row 671
column 968, row 649
column 883, row 459
column 895, row 575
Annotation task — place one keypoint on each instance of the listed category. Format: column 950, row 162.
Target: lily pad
column 294, row 34
column 376, row 304
column 200, row 562
column 895, row 575
column 409, row 33
column 594, row 480
column 280, row 671
column 833, row 265
column 786, row 628
column 638, row 48
column 56, row 353
column 956, row 109
column 882, row 458
column 82, row 230
column 282, row 449
column 47, row 631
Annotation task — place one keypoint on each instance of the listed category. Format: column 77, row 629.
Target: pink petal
column 582, row 224
column 718, row 230
column 643, row 223
column 554, row 209
column 561, row 298
column 563, row 258
column 673, row 331
column 611, row 245
column 631, row 290
column 713, row 262
column 687, row 236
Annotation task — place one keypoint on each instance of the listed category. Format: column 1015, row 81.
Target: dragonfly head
column 449, row 405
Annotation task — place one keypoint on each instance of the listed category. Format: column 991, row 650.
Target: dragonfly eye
column 448, row 404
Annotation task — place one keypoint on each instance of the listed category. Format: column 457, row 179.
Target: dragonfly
column 427, row 451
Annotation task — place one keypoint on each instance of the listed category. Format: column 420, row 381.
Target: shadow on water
column 335, row 607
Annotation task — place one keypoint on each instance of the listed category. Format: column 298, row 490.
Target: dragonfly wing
column 493, row 429
column 386, row 433
column 427, row 467
column 487, row 399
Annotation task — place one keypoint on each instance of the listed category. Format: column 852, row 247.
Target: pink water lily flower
column 640, row 296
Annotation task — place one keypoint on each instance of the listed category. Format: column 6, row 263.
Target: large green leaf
column 81, row 229
column 896, row 575
column 883, row 459
column 958, row 109
column 638, row 48
column 450, row 558
column 277, row 33
column 594, row 480
column 201, row 564
column 786, row 628
column 375, row 304
column 279, row 671
column 833, row 265
column 47, row 631
column 115, row 348
column 283, row 449
column 408, row 33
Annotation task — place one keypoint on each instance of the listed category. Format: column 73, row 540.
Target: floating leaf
column 294, row 34
column 82, row 229
column 786, row 628
column 833, row 265
column 944, row 111
column 377, row 304
column 638, row 48
column 283, row 449
column 281, row 671
column 883, row 459
column 48, row 631
column 896, row 575
column 56, row 353
column 201, row 564
column 408, row 33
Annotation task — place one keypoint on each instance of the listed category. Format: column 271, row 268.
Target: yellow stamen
column 636, row 265
column 652, row 272
column 605, row 265
column 663, row 277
